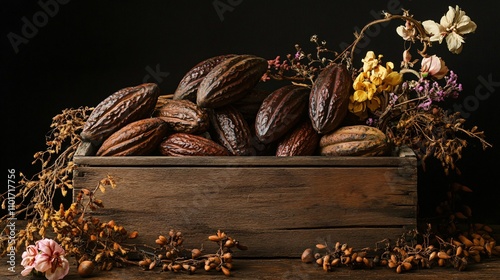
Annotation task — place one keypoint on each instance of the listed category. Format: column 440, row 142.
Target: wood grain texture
column 276, row 206
column 280, row 269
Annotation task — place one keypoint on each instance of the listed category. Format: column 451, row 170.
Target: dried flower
column 453, row 25
column 434, row 66
column 28, row 261
column 47, row 257
column 407, row 31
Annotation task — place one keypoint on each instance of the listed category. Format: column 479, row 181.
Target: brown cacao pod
column 119, row 109
column 303, row 140
column 354, row 140
column 183, row 116
column 230, row 80
column 188, row 86
column 280, row 112
column 185, row 144
column 137, row 138
column 329, row 99
column 249, row 105
column 230, row 129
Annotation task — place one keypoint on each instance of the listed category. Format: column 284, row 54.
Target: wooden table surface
column 285, row 269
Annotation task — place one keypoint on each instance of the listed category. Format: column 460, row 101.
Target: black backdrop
column 59, row 54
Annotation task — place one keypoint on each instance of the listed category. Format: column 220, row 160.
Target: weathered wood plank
column 252, row 201
column 401, row 158
column 267, row 269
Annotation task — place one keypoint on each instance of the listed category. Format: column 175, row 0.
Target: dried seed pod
column 466, row 241
column 188, row 86
column 280, row 112
column 307, row 256
column 354, row 140
column 399, row 268
column 230, row 129
column 185, row 144
column 183, row 116
column 335, row 262
column 329, row 99
column 249, row 105
column 140, row 137
column 230, row 80
column 119, row 109
column 300, row 141
column 226, row 270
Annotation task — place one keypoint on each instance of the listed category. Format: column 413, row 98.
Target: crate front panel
column 299, row 204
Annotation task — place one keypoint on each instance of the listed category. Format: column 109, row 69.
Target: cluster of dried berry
column 406, row 254
column 172, row 256
column 88, row 238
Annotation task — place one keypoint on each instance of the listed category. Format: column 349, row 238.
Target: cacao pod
column 230, row 129
column 303, row 140
column 119, row 109
column 230, row 80
column 188, row 86
column 354, row 140
column 280, row 112
column 185, row 144
column 249, row 105
column 183, row 116
column 329, row 98
column 137, row 138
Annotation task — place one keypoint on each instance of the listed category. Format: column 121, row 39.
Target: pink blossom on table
column 434, row 66
column 29, row 259
column 50, row 259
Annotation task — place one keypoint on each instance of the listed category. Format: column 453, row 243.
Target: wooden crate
column 277, row 206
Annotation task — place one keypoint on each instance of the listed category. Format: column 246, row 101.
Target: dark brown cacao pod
column 188, row 86
column 185, row 144
column 183, row 116
column 303, row 140
column 230, row 80
column 137, row 138
column 280, row 112
column 249, row 105
column 354, row 140
column 329, row 99
column 230, row 129
column 119, row 109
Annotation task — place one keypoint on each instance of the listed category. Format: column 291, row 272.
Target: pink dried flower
column 434, row 66
column 47, row 257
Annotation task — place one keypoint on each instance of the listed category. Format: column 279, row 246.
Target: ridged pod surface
column 137, row 138
column 280, row 112
column 183, row 116
column 249, row 105
column 119, row 109
column 329, row 99
column 230, row 80
column 185, row 144
column 188, row 86
column 354, row 140
column 230, row 129
column 303, row 140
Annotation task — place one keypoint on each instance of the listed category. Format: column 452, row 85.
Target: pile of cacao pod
column 218, row 110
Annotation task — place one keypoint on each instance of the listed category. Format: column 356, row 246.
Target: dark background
column 83, row 51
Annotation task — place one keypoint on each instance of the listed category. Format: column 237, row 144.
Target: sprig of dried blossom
column 411, row 112
column 172, row 256
column 36, row 195
column 411, row 251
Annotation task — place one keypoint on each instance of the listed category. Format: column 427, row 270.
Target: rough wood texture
column 267, row 269
column 275, row 206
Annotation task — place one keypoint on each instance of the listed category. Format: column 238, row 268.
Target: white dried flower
column 453, row 25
